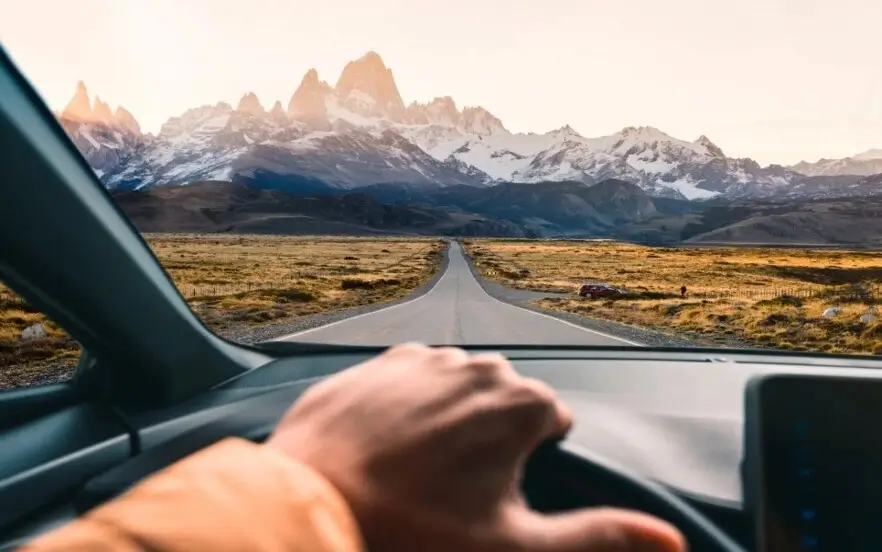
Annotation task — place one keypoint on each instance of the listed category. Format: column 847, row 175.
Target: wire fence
column 869, row 293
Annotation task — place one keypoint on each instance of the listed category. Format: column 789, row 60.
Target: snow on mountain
column 106, row 139
column 360, row 132
column 862, row 164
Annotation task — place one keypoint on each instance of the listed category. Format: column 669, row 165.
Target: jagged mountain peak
column 477, row 120
column 250, row 104
column 372, row 57
column 308, row 103
column 277, row 110
column 126, row 120
column 101, row 112
column 712, row 148
column 443, row 100
column 565, row 130
column 367, row 87
column 79, row 108
column 310, row 76
column 862, row 164
column 645, row 132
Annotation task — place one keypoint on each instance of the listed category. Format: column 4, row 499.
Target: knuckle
column 538, row 390
column 490, row 362
column 450, row 355
column 407, row 348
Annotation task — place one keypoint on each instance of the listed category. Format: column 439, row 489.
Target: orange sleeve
column 232, row 496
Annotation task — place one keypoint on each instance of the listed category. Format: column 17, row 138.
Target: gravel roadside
column 517, row 297
column 272, row 331
column 645, row 336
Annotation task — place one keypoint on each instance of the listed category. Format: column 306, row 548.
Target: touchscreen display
column 821, row 461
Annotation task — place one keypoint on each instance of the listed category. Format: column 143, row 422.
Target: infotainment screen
column 813, row 464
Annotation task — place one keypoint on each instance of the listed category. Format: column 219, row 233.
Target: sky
column 776, row 80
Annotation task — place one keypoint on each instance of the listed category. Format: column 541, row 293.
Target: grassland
column 764, row 297
column 234, row 282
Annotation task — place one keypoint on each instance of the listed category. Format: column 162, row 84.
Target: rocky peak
column 477, row 120
column 565, row 132
column 644, row 132
column 277, row 111
column 126, row 120
column 215, row 116
column 308, row 102
column 250, row 104
column 101, row 112
column 712, row 148
column 443, row 111
column 79, row 108
column 367, row 87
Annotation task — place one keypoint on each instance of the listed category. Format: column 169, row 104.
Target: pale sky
column 775, row 80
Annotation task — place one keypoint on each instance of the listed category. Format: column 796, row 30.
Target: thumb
column 600, row 530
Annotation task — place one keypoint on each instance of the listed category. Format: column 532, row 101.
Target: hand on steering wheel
column 428, row 447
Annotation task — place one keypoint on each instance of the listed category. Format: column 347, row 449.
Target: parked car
column 595, row 291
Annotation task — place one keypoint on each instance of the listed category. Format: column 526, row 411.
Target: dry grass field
column 235, row 282
column 764, row 297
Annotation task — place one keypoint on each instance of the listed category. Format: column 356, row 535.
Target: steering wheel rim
column 701, row 533
column 254, row 419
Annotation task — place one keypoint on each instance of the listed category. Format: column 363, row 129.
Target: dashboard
column 673, row 416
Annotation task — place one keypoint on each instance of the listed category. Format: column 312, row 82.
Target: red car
column 595, row 291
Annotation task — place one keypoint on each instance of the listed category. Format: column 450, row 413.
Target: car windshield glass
column 637, row 173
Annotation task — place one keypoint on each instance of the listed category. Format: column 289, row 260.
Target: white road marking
column 444, row 275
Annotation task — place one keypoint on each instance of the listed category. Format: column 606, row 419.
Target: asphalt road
column 457, row 311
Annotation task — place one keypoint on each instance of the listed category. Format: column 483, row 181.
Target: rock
column 868, row 318
column 79, row 108
column 127, row 121
column 101, row 112
column 250, row 104
column 308, row 104
column 34, row 332
column 832, row 312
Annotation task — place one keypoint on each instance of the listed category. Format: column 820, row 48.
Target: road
column 456, row 311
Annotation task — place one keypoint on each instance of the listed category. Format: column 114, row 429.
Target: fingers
column 547, row 417
column 551, row 417
column 598, row 530
column 560, row 420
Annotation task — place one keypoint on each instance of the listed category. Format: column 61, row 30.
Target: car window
column 34, row 350
column 286, row 203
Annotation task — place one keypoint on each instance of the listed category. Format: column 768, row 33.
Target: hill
column 206, row 207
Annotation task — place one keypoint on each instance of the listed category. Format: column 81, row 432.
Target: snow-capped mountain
column 862, row 164
column 360, row 132
column 107, row 139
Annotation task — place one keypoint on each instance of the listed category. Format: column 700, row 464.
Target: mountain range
column 360, row 135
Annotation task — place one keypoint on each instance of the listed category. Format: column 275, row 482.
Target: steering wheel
column 254, row 419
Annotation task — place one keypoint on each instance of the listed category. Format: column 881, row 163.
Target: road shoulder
column 525, row 299
column 272, row 331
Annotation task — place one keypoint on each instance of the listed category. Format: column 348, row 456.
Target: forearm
column 232, row 496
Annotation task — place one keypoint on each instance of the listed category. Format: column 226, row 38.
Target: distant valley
column 611, row 209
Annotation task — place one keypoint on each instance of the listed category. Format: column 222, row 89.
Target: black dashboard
column 675, row 417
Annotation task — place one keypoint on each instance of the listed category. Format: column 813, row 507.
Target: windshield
column 623, row 174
